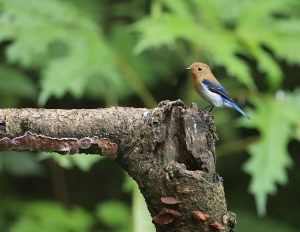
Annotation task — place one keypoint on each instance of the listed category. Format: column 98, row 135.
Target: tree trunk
column 169, row 151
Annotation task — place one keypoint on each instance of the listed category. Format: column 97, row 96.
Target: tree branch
column 169, row 151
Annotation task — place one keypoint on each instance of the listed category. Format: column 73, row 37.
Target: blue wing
column 219, row 89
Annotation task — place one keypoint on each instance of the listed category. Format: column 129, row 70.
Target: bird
column 210, row 89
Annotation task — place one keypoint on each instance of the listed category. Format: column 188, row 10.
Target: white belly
column 214, row 98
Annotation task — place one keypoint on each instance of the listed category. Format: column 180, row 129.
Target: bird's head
column 199, row 70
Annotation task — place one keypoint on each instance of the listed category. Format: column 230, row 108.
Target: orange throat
column 197, row 81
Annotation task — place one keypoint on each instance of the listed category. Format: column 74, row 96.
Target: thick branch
column 169, row 151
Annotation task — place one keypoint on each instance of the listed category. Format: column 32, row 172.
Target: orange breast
column 197, row 83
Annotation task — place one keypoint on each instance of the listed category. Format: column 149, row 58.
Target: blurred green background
column 100, row 53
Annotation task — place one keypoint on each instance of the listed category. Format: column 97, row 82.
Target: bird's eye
column 199, row 69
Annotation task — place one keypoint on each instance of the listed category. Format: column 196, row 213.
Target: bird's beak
column 188, row 68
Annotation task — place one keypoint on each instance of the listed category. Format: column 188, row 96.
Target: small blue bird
column 209, row 88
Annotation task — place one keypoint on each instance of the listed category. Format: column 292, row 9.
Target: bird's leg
column 210, row 105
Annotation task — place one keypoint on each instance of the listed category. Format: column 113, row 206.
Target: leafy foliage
column 69, row 49
column 276, row 120
column 142, row 220
column 115, row 215
column 243, row 31
column 83, row 162
column 48, row 216
column 19, row 84
column 9, row 161
column 249, row 222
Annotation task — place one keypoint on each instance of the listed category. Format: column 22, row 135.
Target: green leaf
column 114, row 214
column 68, row 48
column 220, row 38
column 49, row 217
column 83, row 161
column 63, row 161
column 13, row 82
column 142, row 220
column 275, row 118
column 11, row 163
column 249, row 222
column 286, row 44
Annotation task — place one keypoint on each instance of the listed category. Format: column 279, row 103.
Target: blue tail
column 231, row 104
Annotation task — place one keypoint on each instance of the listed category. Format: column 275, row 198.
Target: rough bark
column 169, row 151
